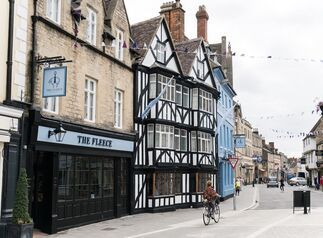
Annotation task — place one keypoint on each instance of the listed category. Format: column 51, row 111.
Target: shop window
column 178, row 183
column 202, row 178
column 66, row 178
column 164, row 184
column 108, row 178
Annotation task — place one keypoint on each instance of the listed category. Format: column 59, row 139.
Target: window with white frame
column 51, row 104
column 118, row 96
column 200, row 69
column 164, row 136
column 193, row 141
column 195, row 98
column 180, row 140
column 204, row 142
column 152, row 86
column 206, row 101
column 160, row 52
column 150, row 136
column 119, row 44
column 179, row 95
column 89, row 100
column 54, row 10
column 91, row 27
column 169, row 94
column 186, row 96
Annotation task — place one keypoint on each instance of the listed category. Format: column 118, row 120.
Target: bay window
column 164, row 136
column 201, row 142
column 180, row 140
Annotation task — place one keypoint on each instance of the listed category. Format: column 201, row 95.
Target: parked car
column 297, row 181
column 272, row 182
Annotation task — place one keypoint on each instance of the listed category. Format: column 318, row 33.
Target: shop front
column 82, row 179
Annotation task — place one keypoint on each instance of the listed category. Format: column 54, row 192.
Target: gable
column 201, row 70
column 161, row 50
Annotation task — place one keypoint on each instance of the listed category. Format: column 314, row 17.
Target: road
column 270, row 217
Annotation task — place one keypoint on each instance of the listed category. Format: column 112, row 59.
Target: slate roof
column 143, row 33
column 186, row 52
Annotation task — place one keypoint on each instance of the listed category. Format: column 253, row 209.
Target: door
column 43, row 180
column 123, row 187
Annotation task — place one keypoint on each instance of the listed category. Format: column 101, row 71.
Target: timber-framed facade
column 175, row 149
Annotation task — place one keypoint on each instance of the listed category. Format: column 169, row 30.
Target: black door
column 42, row 199
column 122, row 187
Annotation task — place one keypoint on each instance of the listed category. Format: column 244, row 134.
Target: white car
column 297, row 181
column 272, row 182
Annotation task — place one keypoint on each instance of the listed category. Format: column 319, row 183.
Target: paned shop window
column 91, row 27
column 164, row 184
column 89, row 100
column 178, row 183
column 202, row 179
column 53, row 10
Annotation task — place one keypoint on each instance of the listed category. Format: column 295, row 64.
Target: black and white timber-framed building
column 175, row 150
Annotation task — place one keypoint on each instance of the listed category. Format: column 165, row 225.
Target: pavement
column 260, row 213
column 151, row 222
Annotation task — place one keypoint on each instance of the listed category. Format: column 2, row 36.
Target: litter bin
column 302, row 198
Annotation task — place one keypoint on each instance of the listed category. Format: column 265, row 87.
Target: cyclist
column 210, row 195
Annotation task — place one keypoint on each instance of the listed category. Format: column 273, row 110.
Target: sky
column 277, row 94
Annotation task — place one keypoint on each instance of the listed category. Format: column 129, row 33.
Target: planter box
column 20, row 230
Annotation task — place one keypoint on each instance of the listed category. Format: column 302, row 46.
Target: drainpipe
column 10, row 49
column 33, row 54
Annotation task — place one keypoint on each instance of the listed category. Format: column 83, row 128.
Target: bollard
column 304, row 200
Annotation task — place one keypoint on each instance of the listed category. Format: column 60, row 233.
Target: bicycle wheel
column 206, row 216
column 216, row 213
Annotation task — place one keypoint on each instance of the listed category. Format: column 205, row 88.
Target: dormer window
column 200, row 69
column 160, row 52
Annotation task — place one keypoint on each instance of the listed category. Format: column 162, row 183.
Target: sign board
column 233, row 161
column 86, row 140
column 240, row 141
column 319, row 152
column 54, row 82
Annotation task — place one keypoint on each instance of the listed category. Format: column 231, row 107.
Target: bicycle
column 209, row 213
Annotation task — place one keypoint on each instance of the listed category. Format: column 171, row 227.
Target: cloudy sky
column 277, row 94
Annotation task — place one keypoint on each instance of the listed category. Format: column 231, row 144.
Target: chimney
column 272, row 145
column 202, row 18
column 175, row 17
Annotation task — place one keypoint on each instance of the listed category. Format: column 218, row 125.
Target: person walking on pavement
column 237, row 187
column 282, row 184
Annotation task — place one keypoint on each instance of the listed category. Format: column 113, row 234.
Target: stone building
column 245, row 167
column 81, row 136
column 257, row 155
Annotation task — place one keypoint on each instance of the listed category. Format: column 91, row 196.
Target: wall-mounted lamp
column 59, row 133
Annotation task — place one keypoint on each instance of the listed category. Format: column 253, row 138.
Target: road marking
column 264, row 229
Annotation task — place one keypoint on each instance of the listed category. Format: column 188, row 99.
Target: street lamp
column 58, row 132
